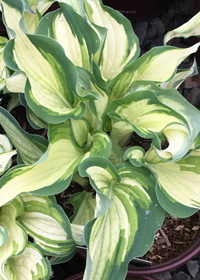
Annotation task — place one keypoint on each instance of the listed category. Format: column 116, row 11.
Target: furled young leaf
column 78, row 234
column 17, row 237
column 116, row 155
column 121, row 44
column 148, row 117
column 84, row 206
column 31, row 15
column 65, row 25
column 81, row 135
column 83, row 202
column 29, row 265
column 190, row 28
column 43, row 5
column 102, row 144
column 178, row 103
column 135, row 155
column 51, row 86
column 98, row 142
column 13, row 102
column 180, row 77
column 127, row 216
column 120, row 130
column 94, row 88
column 179, row 142
column 151, row 67
column 51, row 174
column 90, row 86
column 30, row 147
column 48, row 225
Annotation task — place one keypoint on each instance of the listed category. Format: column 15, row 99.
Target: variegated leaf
column 190, row 28
column 17, row 237
column 84, row 206
column 16, row 82
column 120, row 130
column 83, row 202
column 31, row 15
column 97, row 93
column 180, row 77
column 116, row 155
column 3, row 236
column 121, row 44
column 30, row 147
column 78, row 234
column 102, row 144
column 148, row 117
column 99, row 143
column 32, row 118
column 42, row 5
column 6, row 73
column 151, row 67
column 28, row 4
column 118, row 235
column 29, row 265
column 6, row 153
column 135, row 155
column 77, row 5
column 84, row 182
column 48, row 225
column 51, row 86
column 178, row 183
column 3, row 42
column 51, row 174
column 179, row 142
column 81, row 135
column 62, row 26
column 13, row 102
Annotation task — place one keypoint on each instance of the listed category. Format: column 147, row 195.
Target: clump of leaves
column 78, row 72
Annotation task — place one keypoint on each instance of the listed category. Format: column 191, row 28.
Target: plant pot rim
column 140, row 10
column 188, row 254
column 173, row 263
column 79, row 276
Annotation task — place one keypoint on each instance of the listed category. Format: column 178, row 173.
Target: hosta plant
column 78, row 72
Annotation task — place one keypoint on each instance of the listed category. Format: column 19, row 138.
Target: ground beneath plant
column 175, row 235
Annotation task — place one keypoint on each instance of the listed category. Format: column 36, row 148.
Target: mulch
column 175, row 235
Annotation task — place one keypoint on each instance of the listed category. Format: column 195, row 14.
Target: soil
column 175, row 235
column 63, row 197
